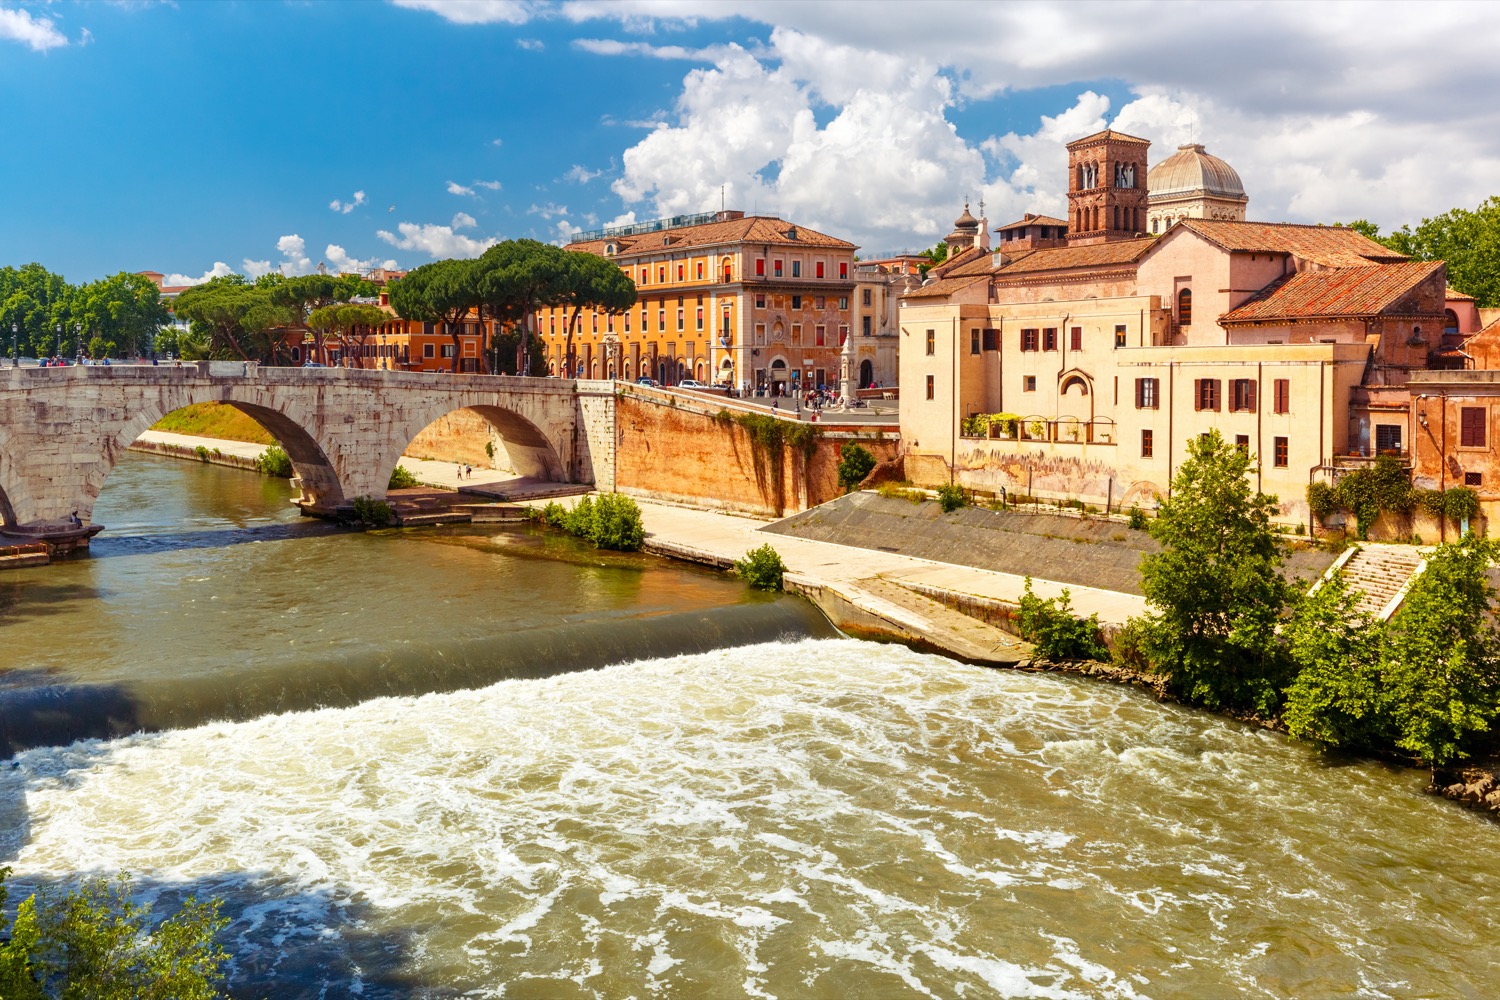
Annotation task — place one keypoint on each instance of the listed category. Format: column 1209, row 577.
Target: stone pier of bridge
column 63, row 429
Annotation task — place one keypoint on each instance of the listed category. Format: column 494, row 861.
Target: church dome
column 1189, row 171
column 965, row 222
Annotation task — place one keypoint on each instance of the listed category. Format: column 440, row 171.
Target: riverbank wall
column 203, row 453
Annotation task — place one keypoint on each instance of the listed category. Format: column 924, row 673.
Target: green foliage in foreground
column 855, row 463
column 274, row 461
column 372, row 513
column 94, row 943
column 1215, row 590
column 1058, row 634
column 401, row 479
column 951, row 497
column 761, row 568
column 610, row 521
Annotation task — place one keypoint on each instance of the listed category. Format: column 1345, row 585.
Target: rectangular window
column 760, row 302
column 797, row 333
column 700, row 319
column 700, row 270
column 1279, row 453
column 760, row 267
column 817, row 302
column 1242, row 442
column 1387, row 439
column 776, row 268
column 796, row 302
column 1471, row 427
column 1028, row 383
column 1147, row 444
column 1242, row 395
column 426, row 350
column 1075, row 339
column 931, row 386
column 844, row 333
column 1206, row 393
column 820, row 269
column 1119, row 336
column 447, row 350
column 796, row 269
column 661, row 275
column 991, row 339
column 1028, row 340
column 1473, row 479
column 843, row 302
column 679, row 321
column 1282, row 403
column 627, row 322
column 1049, row 339
column 844, row 269
column 866, row 296
column 645, row 276
column 973, row 341
column 865, row 325
column 661, row 320
column 820, row 334
column 679, row 272
column 1147, row 394
column 931, row 342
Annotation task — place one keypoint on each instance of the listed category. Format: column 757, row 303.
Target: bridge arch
column 312, row 460
column 527, row 447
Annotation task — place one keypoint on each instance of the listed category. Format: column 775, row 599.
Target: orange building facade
column 742, row 301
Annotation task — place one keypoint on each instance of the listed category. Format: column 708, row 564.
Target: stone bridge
column 63, row 429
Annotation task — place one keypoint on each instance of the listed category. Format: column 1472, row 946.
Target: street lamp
column 78, row 342
column 15, row 345
column 59, row 341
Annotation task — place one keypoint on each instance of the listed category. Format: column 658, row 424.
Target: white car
column 688, row 383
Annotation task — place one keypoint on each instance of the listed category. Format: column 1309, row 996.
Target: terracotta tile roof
column 751, row 229
column 1454, row 295
column 943, row 287
column 1109, row 133
column 964, row 258
column 1034, row 220
column 983, row 263
column 1062, row 258
column 1341, row 292
column 1331, row 246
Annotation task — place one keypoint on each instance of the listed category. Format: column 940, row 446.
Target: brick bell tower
column 1106, row 187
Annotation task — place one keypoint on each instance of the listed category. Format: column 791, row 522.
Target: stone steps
column 447, row 517
column 1381, row 573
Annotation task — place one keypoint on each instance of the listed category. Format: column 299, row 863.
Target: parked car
column 643, row 380
column 689, row 383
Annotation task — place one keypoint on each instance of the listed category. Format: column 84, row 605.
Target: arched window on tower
column 1185, row 307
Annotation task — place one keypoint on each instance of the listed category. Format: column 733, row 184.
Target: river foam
column 823, row 818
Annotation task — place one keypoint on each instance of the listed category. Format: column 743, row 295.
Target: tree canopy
column 1215, row 589
column 245, row 321
column 118, row 315
column 1469, row 240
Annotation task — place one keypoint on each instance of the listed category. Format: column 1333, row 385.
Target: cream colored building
column 1192, row 184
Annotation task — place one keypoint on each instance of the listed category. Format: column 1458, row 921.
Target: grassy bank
column 215, row 420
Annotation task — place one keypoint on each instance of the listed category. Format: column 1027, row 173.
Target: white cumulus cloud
column 581, row 175
column 434, row 240
column 463, row 220
column 456, row 188
column 219, row 270
column 340, row 261
column 37, row 33
column 345, row 207
column 475, row 11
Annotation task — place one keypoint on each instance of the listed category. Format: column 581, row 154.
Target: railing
column 1366, row 457
column 1043, row 430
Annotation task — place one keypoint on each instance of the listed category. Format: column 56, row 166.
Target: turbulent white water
column 818, row 819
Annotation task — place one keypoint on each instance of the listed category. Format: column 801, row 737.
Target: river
column 805, row 817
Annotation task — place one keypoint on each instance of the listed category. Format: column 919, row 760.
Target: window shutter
column 1250, row 390
column 1140, row 393
column 1200, row 394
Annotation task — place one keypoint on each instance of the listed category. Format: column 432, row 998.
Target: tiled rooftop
column 1331, row 246
column 751, row 229
column 1340, row 292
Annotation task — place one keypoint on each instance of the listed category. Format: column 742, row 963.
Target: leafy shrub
column 1056, row 632
column 1321, row 500
column 401, row 479
column 761, row 568
column 951, row 497
column 855, row 463
column 489, row 450
column 201, row 452
column 1138, row 520
column 610, row 521
column 274, row 461
column 96, row 942
column 372, row 513
column 1130, row 646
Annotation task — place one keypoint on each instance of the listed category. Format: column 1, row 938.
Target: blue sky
column 196, row 137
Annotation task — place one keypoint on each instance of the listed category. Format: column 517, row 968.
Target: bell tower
column 1106, row 187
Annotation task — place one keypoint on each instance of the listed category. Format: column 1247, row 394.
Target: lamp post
column 59, row 341
column 15, row 345
column 78, row 342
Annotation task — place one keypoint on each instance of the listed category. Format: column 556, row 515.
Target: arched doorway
column 866, row 374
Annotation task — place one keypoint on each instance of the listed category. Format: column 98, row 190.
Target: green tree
column 236, row 319
column 1215, row 590
column 514, row 279
column 855, row 463
column 441, row 292
column 1468, row 240
column 95, row 943
column 1336, row 700
column 351, row 323
column 297, row 298
column 591, row 282
column 1441, row 666
column 1056, row 633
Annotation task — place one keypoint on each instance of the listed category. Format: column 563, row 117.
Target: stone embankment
column 1476, row 788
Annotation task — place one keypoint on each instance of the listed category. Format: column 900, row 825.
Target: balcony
column 1037, row 429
